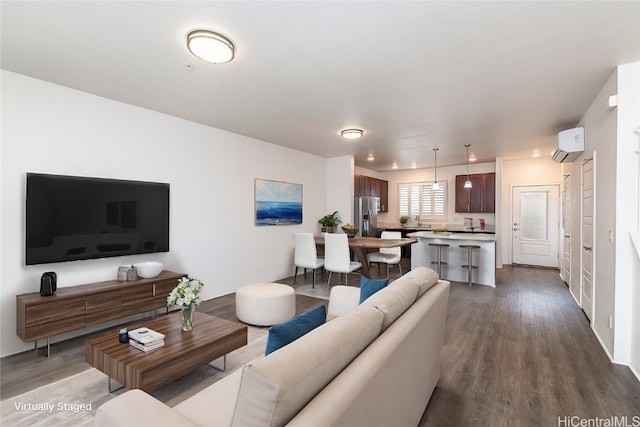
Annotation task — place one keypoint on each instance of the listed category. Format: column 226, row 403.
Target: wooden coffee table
column 210, row 339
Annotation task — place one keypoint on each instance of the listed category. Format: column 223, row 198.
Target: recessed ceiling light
column 535, row 155
column 413, row 165
column 394, row 166
column 351, row 133
column 210, row 46
column 371, row 158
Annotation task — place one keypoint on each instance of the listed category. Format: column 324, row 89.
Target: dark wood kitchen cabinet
column 384, row 195
column 368, row 186
column 480, row 198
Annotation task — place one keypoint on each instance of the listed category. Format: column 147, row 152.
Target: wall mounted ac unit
column 570, row 145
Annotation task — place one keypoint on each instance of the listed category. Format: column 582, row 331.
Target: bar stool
column 439, row 261
column 469, row 266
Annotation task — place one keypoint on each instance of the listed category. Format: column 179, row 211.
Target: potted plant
column 329, row 221
column 403, row 220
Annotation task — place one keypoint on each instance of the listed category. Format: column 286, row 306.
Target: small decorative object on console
column 132, row 274
column 187, row 296
column 123, row 337
column 48, row 284
column 122, row 273
column 149, row 269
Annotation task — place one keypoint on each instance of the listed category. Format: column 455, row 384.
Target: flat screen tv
column 71, row 218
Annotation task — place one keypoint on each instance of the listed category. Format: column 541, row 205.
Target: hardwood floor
column 521, row 354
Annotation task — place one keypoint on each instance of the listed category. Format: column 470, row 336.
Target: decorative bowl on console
column 149, row 269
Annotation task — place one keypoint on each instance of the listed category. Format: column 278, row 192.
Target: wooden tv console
column 76, row 307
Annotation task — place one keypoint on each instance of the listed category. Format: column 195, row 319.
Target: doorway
column 588, row 220
column 535, row 225
column 565, row 271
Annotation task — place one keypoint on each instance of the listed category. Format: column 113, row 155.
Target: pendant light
column 467, row 183
column 436, row 186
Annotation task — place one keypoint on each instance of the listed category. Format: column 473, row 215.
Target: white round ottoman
column 265, row 304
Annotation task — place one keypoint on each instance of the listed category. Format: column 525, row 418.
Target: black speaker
column 48, row 284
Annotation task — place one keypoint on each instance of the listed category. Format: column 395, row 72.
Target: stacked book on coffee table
column 146, row 339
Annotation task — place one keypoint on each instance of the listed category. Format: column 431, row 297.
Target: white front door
column 535, row 225
column 588, row 220
column 566, row 230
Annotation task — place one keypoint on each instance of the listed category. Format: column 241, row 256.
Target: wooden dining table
column 363, row 245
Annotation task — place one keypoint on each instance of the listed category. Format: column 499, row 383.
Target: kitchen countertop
column 486, row 237
column 489, row 229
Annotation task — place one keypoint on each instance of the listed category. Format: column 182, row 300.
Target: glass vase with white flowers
column 186, row 295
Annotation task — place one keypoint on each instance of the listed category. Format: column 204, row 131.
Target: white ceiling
column 504, row 77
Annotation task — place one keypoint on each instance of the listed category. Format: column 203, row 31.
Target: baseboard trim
column 635, row 372
column 604, row 347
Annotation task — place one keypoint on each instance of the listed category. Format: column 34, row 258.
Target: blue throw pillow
column 289, row 331
column 369, row 287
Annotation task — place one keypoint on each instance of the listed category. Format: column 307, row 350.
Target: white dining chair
column 306, row 255
column 387, row 256
column 337, row 257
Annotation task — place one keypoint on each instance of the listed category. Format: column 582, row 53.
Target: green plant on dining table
column 329, row 221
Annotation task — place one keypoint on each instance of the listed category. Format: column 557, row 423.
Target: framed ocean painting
column 277, row 202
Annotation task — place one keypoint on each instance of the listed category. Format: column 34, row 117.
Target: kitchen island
column 422, row 255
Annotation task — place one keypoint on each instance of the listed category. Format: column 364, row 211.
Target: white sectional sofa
column 372, row 364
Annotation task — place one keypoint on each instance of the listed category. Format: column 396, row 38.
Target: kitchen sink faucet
column 419, row 220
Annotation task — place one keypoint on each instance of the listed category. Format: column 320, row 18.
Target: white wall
column 627, row 213
column 52, row 129
column 634, row 358
column 340, row 172
column 499, row 213
column 540, row 171
column 599, row 122
column 635, row 299
column 609, row 134
column 359, row 170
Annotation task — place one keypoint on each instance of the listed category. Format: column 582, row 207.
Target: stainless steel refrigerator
column 365, row 215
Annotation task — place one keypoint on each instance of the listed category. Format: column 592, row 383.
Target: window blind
column 421, row 199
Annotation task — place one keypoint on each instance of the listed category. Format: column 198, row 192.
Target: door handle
column 587, row 248
column 516, row 229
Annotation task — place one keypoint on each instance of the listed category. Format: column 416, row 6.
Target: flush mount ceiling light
column 467, row 183
column 436, row 186
column 351, row 133
column 210, row 46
